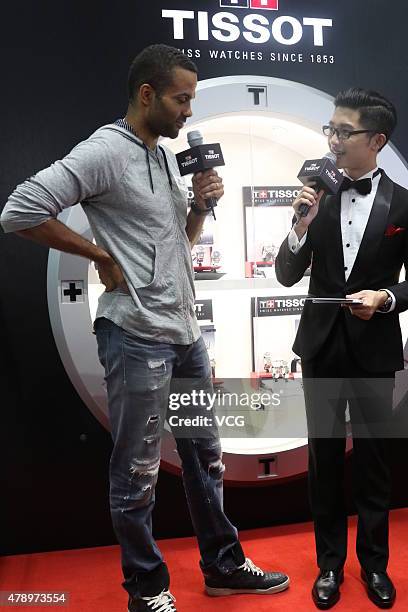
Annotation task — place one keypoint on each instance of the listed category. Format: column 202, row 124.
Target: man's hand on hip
column 110, row 274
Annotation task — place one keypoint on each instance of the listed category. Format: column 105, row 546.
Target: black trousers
column 332, row 380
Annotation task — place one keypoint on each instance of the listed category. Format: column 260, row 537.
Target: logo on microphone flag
column 266, row 5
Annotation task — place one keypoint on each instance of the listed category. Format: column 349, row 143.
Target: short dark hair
column 376, row 112
column 154, row 65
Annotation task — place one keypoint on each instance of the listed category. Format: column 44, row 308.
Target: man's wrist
column 385, row 300
column 199, row 201
column 300, row 229
column 198, row 210
column 102, row 257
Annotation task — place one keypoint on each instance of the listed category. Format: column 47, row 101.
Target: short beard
column 158, row 127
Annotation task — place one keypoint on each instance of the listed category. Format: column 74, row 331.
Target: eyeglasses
column 342, row 134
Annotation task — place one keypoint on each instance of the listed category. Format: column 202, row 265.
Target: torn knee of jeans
column 142, row 483
column 152, row 425
column 144, row 467
column 216, row 468
column 211, row 458
column 151, row 440
column 157, row 374
column 139, row 496
column 157, row 364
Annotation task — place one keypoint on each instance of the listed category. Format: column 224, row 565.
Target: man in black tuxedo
column 357, row 243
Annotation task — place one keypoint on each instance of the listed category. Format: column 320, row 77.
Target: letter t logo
column 267, row 5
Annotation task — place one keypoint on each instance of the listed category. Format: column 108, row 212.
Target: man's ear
column 146, row 94
column 379, row 141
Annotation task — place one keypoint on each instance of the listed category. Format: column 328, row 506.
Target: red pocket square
column 393, row 229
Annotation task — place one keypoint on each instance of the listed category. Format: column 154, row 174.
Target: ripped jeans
column 140, row 375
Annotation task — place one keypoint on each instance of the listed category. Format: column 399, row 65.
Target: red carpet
column 92, row 576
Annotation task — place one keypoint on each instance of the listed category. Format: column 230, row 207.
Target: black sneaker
column 248, row 578
column 158, row 603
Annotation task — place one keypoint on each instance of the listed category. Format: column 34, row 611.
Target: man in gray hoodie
column 147, row 332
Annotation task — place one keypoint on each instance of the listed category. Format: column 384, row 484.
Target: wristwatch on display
column 200, row 254
column 215, row 258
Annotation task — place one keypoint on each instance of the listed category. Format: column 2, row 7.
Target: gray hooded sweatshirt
column 136, row 205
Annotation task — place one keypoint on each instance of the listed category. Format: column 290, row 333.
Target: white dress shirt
column 355, row 211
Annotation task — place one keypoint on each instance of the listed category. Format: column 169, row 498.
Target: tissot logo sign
column 267, row 5
column 270, row 196
column 240, row 23
column 279, row 305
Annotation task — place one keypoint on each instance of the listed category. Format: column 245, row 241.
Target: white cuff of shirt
column 294, row 243
column 394, row 302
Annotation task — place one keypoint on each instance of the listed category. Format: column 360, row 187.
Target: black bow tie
column 363, row 186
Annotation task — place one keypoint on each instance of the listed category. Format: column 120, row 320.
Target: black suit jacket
column 377, row 343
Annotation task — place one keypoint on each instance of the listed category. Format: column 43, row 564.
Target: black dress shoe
column 380, row 589
column 326, row 589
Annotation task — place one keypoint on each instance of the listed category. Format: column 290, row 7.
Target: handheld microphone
column 324, row 174
column 199, row 158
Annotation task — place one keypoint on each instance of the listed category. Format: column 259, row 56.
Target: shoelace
column 162, row 602
column 249, row 566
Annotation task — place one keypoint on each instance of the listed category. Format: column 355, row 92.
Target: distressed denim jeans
column 140, row 374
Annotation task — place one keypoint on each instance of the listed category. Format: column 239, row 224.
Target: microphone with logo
column 199, row 158
column 320, row 174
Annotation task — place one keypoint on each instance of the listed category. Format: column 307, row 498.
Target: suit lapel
column 374, row 232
